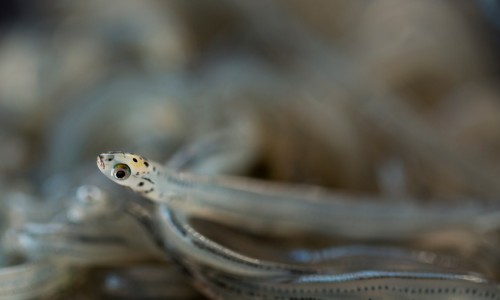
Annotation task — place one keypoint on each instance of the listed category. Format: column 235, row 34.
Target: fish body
column 222, row 273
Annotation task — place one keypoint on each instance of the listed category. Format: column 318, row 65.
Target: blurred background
column 393, row 98
column 385, row 96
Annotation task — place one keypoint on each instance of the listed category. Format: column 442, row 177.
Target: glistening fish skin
column 249, row 203
column 368, row 288
column 226, row 274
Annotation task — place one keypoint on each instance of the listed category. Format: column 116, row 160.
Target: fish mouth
column 100, row 162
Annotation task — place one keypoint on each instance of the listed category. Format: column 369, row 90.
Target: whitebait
column 260, row 205
column 226, row 274
column 92, row 232
column 370, row 286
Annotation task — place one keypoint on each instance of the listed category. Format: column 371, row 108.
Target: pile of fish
column 334, row 149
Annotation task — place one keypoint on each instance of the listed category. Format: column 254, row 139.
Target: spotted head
column 132, row 171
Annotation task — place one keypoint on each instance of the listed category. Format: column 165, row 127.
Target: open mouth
column 100, row 162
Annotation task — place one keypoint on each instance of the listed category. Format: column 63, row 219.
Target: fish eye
column 121, row 171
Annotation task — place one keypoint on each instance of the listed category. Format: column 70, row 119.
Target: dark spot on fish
column 134, row 159
column 137, row 173
column 149, row 191
column 148, row 179
column 146, row 164
column 141, row 183
column 154, row 169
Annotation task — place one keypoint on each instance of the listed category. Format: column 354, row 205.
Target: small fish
column 132, row 171
column 287, row 207
column 250, row 278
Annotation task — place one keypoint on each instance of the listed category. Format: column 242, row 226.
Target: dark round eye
column 121, row 171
